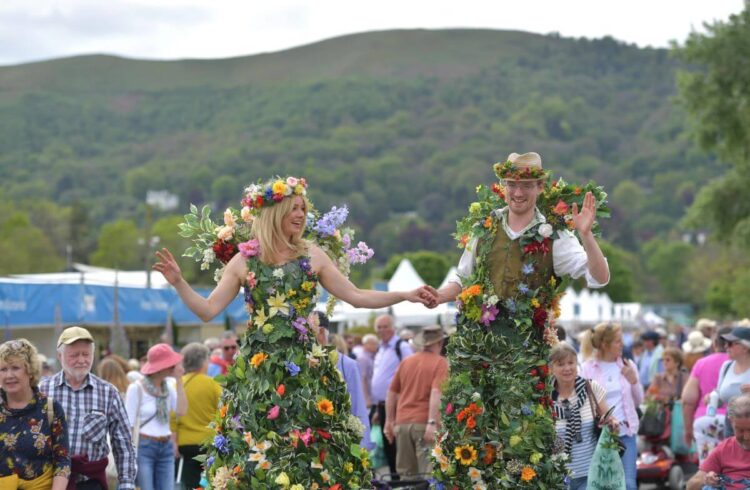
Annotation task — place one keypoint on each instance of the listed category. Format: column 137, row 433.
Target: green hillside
column 401, row 125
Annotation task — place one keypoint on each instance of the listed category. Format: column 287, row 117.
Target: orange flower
column 561, row 208
column 489, row 454
column 325, row 406
column 527, row 473
column 471, row 423
column 470, row 292
column 237, row 470
column 577, row 191
column 488, row 222
column 464, row 240
column 280, row 390
column 258, row 359
column 223, row 411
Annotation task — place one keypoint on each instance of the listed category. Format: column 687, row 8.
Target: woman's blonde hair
column 111, row 370
column 267, row 230
column 23, row 350
column 600, row 336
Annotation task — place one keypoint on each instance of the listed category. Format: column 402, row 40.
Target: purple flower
column 489, row 313
column 249, row 296
column 526, row 410
column 527, row 269
column 359, row 255
column 249, row 248
column 304, row 264
column 236, row 424
column 210, row 461
column 333, row 219
column 221, row 443
column 292, row 368
column 346, row 240
column 523, row 288
column 299, row 326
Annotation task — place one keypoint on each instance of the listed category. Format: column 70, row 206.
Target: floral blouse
column 28, row 444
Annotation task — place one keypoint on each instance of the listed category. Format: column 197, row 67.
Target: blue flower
column 269, row 194
column 523, row 288
column 210, row 461
column 292, row 368
column 527, row 269
column 333, row 219
column 511, row 305
column 526, row 410
column 221, row 443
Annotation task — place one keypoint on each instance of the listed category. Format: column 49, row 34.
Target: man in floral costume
column 519, row 242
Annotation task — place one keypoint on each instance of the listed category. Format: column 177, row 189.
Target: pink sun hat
column 160, row 357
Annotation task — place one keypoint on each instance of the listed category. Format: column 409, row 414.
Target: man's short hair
column 194, row 356
column 212, row 343
column 739, row 407
column 228, row 334
column 370, row 338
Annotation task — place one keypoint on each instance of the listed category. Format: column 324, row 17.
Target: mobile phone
column 607, row 414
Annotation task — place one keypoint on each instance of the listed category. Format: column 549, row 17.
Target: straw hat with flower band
column 523, row 167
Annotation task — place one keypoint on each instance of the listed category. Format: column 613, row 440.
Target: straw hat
column 526, row 166
column 160, row 357
column 429, row 335
column 696, row 343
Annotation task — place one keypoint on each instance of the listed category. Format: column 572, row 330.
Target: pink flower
column 307, row 437
column 292, row 181
column 489, row 313
column 249, row 248
column 251, row 282
column 273, row 414
column 278, row 197
column 449, row 409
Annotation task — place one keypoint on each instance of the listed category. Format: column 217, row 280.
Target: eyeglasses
column 230, row 347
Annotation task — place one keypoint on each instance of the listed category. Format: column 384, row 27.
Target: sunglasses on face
column 230, row 347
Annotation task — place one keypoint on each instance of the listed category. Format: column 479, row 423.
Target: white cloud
column 168, row 29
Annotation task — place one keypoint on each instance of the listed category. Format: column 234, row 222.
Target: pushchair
column 657, row 463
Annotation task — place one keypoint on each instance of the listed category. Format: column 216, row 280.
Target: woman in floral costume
column 497, row 426
column 285, row 417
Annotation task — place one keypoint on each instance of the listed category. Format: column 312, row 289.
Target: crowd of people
column 287, row 386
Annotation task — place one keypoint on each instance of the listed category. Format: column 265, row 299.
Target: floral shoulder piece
column 215, row 244
column 478, row 302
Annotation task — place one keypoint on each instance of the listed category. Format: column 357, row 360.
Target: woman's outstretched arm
column 220, row 297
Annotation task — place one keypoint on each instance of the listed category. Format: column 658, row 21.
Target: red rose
column 224, row 251
column 540, row 317
column 534, row 372
column 544, row 369
column 539, row 386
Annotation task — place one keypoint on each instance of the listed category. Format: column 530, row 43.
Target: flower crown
column 267, row 194
column 509, row 171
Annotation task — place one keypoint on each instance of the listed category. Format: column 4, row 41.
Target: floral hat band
column 521, row 167
column 267, row 194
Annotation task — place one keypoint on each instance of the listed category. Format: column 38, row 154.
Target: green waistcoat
column 505, row 261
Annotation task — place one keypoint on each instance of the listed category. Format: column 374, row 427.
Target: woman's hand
column 168, row 267
column 178, row 372
column 628, row 370
column 584, row 220
column 613, row 424
column 421, row 295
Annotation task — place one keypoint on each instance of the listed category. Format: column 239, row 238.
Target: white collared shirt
column 568, row 256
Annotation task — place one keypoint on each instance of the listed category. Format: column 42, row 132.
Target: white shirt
column 568, row 256
column 154, row 427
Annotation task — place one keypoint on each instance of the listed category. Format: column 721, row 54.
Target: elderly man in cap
column 413, row 403
column 94, row 409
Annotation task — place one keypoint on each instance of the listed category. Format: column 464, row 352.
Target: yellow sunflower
column 258, row 359
column 466, row 454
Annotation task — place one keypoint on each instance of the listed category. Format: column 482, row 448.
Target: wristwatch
column 431, row 422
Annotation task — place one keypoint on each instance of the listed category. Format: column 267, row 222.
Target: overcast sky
column 32, row 30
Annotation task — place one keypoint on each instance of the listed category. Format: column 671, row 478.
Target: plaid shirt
column 92, row 411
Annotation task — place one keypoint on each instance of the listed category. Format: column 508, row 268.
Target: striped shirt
column 94, row 410
column 581, row 452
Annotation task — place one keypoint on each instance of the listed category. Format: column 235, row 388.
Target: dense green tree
column 623, row 266
column 716, row 93
column 668, row 262
column 118, row 246
column 431, row 266
column 25, row 248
